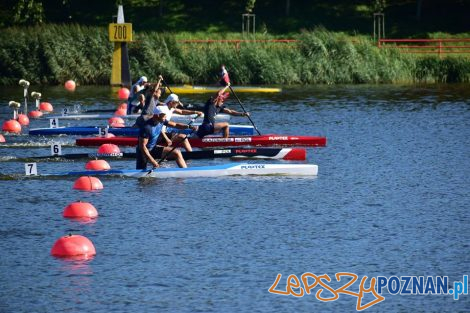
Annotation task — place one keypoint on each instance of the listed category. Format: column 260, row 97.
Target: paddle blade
column 224, row 78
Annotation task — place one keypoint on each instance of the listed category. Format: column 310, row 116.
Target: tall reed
column 52, row 54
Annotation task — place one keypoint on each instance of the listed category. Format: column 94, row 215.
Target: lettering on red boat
column 248, row 139
column 278, row 138
column 246, row 151
column 217, row 139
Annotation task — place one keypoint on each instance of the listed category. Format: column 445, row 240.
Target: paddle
column 174, row 147
column 247, row 115
column 224, row 81
column 166, row 85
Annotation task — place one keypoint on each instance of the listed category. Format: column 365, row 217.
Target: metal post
column 248, row 23
column 379, row 26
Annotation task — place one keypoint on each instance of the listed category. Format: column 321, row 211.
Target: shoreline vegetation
column 53, row 53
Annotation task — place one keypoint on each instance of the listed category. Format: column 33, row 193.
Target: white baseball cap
column 172, row 97
column 143, row 79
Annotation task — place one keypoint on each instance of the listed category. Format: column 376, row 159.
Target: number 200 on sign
column 120, row 32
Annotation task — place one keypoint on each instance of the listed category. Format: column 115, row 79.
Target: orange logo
column 308, row 281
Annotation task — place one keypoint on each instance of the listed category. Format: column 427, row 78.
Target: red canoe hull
column 256, row 141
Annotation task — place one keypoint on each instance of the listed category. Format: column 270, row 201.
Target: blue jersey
column 151, row 130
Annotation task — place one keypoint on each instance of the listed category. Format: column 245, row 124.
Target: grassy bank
column 51, row 54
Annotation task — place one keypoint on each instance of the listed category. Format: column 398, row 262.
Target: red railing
column 237, row 42
column 426, row 46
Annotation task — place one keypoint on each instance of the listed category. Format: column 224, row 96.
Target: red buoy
column 122, row 106
column 88, row 183
column 120, row 112
column 73, row 246
column 80, row 209
column 70, row 85
column 116, row 122
column 12, row 126
column 97, row 165
column 46, row 107
column 23, row 119
column 109, row 135
column 35, row 114
column 2, row 138
column 123, row 93
column 108, row 149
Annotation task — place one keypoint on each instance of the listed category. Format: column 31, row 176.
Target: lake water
column 391, row 199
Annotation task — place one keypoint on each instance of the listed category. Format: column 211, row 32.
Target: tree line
column 402, row 18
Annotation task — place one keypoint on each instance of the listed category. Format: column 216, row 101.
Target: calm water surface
column 391, row 198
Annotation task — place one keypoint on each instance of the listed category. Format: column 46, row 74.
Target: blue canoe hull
column 240, row 130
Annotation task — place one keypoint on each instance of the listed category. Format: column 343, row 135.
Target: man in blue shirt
column 147, row 149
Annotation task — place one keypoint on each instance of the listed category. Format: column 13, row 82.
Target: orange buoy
column 123, row 93
column 46, row 106
column 97, row 165
column 88, row 183
column 73, row 246
column 116, row 122
column 120, row 112
column 70, row 85
column 2, row 138
column 11, row 126
column 80, row 209
column 122, row 106
column 35, row 114
column 23, row 119
column 108, row 149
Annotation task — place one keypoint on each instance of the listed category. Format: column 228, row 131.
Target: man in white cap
column 169, row 107
column 134, row 93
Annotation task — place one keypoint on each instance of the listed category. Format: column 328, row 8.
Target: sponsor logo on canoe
column 250, row 167
column 278, row 138
column 222, row 151
column 217, row 139
column 330, row 290
column 241, row 139
column 240, row 151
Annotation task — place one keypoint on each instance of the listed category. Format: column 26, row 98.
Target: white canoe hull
column 231, row 169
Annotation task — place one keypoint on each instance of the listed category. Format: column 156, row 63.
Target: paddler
column 147, row 149
column 152, row 96
column 172, row 138
column 214, row 106
column 136, row 89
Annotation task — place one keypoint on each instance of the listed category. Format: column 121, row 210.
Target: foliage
column 52, row 54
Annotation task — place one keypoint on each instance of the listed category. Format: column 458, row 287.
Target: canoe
column 229, row 169
column 234, row 141
column 297, row 154
column 190, row 89
column 175, row 118
column 241, row 130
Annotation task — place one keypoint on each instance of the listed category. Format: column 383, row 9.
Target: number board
column 120, row 32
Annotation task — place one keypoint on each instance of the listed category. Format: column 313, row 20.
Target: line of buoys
column 88, row 183
column 12, row 126
column 116, row 122
column 73, row 246
column 120, row 112
column 123, row 93
column 109, row 149
column 46, row 107
column 23, row 119
column 80, row 210
column 35, row 114
column 97, row 165
column 70, row 85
